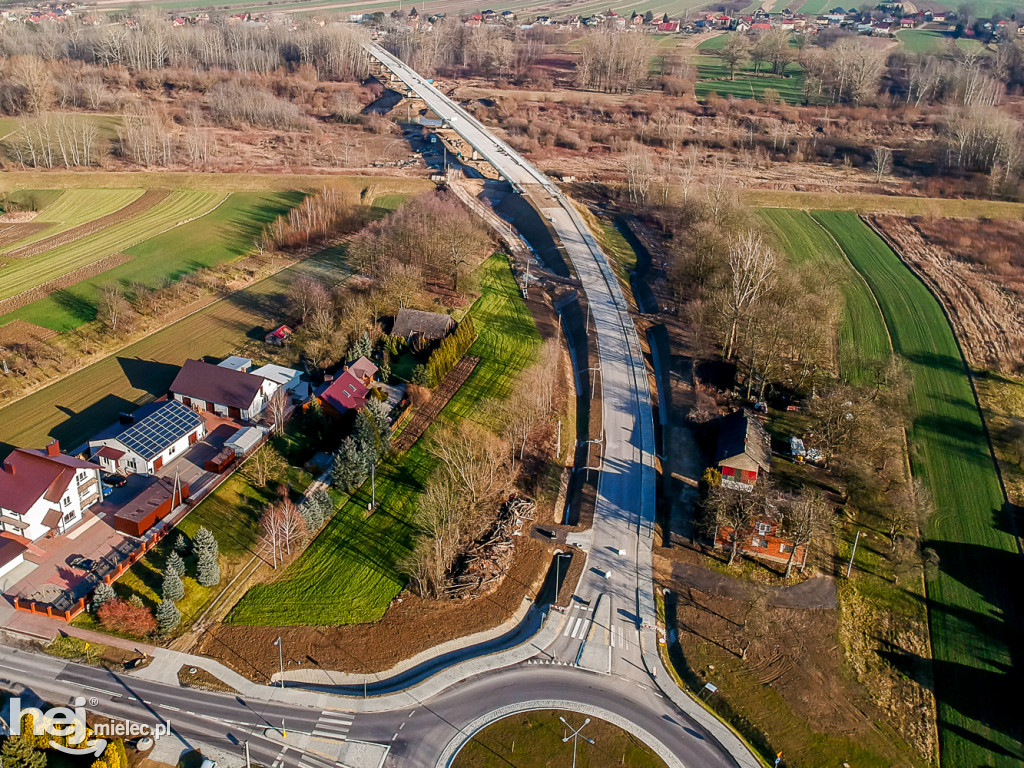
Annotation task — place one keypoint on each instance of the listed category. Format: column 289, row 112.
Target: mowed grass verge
column 224, row 233
column 351, row 572
column 863, row 341
column 974, row 585
column 713, row 77
column 77, row 406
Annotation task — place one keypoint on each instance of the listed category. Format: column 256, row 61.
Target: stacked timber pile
column 486, row 562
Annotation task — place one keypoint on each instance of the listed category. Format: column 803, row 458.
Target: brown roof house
column 226, row 392
column 45, row 492
column 743, row 451
column 363, row 369
column 420, row 328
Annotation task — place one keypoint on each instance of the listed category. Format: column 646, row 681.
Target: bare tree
column 731, row 514
column 881, row 162
column 282, row 525
column 804, row 521
column 263, row 466
column 639, row 165
column 734, row 52
column 277, row 410
column 114, row 310
column 476, row 460
column 751, row 272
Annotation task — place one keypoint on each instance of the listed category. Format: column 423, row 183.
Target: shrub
column 121, row 616
column 450, row 351
column 104, row 594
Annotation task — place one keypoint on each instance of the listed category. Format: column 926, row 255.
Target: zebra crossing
column 332, row 725
column 578, row 623
column 623, row 636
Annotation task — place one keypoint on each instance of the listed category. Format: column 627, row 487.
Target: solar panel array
column 153, row 434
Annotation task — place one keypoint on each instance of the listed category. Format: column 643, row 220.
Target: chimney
column 53, row 449
column 9, row 468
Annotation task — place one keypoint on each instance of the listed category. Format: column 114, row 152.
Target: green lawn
column 713, row 77
column 77, row 406
column 349, row 574
column 863, row 343
column 534, row 740
column 973, row 591
column 715, row 43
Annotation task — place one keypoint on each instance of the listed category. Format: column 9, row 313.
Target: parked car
column 81, row 563
column 115, row 481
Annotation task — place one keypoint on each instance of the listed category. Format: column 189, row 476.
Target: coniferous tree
column 104, row 593
column 173, row 590
column 168, row 616
column 175, row 564
column 19, row 752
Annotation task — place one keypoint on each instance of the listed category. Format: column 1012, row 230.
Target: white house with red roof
column 45, row 492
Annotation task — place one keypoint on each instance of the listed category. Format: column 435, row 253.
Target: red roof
column 29, row 475
column 281, row 333
column 10, row 547
column 107, row 452
column 345, row 392
column 362, row 369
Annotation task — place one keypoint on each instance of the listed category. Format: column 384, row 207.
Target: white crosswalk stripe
column 332, row 726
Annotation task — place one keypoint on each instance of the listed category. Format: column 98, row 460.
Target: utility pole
column 558, row 448
column 574, row 736
column 849, row 566
column 280, row 658
column 373, row 486
column 248, row 764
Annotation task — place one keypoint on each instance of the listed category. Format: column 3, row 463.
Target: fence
column 67, row 614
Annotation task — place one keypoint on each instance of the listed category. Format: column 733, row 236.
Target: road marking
column 332, row 726
column 168, row 706
column 576, row 629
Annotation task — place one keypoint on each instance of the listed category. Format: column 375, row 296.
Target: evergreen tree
column 207, row 566
column 19, row 752
column 175, row 564
column 362, row 348
column 350, row 466
column 208, row 570
column 173, row 590
column 136, row 602
column 384, row 369
column 181, row 545
column 649, row 17
column 204, row 541
column 104, row 593
column 421, row 376
column 168, row 616
column 312, row 514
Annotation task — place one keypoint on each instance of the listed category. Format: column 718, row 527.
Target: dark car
column 80, row 563
column 115, row 481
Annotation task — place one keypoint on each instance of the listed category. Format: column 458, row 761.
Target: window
column 67, row 501
column 758, row 543
column 785, row 548
column 171, row 450
column 763, row 528
column 728, row 471
column 69, row 517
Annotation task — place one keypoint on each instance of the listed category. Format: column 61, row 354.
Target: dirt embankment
column 410, row 626
column 977, row 270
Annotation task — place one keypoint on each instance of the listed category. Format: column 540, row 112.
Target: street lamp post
column 574, row 736
column 280, row 658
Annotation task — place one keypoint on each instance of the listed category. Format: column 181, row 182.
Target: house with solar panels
column 144, row 441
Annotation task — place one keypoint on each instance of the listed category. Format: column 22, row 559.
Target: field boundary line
column 214, row 298
column 967, row 369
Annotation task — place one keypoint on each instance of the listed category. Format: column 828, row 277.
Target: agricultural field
column 863, row 342
column 147, row 237
column 973, row 560
column 713, row 77
column 934, row 40
column 75, row 407
column 352, row 566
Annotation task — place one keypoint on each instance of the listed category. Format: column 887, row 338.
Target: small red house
column 743, row 451
column 278, row 336
column 764, row 538
column 345, row 393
